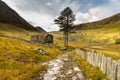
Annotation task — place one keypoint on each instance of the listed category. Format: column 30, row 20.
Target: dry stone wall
column 109, row 67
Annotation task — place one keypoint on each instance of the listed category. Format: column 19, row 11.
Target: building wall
column 42, row 38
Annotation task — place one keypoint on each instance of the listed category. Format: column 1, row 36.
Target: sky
column 43, row 12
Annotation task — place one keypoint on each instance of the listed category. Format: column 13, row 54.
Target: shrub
column 117, row 41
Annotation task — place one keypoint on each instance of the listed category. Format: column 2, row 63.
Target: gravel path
column 63, row 68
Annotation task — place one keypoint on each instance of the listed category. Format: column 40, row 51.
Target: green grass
column 90, row 72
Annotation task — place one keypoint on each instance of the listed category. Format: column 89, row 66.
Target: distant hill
column 98, row 24
column 106, row 31
column 9, row 16
column 40, row 29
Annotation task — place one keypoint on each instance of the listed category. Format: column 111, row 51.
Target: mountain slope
column 40, row 29
column 106, row 31
column 11, row 30
column 9, row 16
column 98, row 24
column 11, row 24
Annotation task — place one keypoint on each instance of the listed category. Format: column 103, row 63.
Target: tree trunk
column 65, row 41
column 67, row 34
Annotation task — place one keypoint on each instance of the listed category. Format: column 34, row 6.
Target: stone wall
column 109, row 67
column 44, row 38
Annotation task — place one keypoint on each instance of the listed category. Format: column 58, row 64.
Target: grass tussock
column 91, row 73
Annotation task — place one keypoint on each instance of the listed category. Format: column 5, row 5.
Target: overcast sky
column 43, row 12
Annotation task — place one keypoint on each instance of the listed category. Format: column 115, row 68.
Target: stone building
column 42, row 38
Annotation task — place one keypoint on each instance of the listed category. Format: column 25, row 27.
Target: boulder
column 43, row 52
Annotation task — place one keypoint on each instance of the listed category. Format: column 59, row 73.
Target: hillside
column 97, row 35
column 9, row 16
column 105, row 31
column 12, row 24
column 11, row 30
column 20, row 60
column 40, row 29
column 98, row 24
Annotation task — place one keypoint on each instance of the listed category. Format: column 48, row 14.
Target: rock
column 69, row 71
column 118, row 70
column 63, row 68
column 95, row 59
column 74, row 78
column 66, row 59
column 92, row 58
column 62, row 76
column 43, row 52
column 87, row 56
column 109, row 66
column 100, row 60
column 114, row 70
column 80, row 76
column 76, row 69
column 103, row 64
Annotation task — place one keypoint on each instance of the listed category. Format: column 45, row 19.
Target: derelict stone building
column 42, row 38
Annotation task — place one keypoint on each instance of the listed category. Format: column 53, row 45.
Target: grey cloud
column 39, row 14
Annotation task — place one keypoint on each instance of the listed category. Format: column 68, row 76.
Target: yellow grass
column 90, row 72
column 10, row 30
column 101, row 39
column 21, row 61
